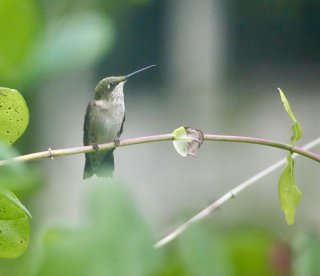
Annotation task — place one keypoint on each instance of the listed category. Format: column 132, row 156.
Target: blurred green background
column 218, row 66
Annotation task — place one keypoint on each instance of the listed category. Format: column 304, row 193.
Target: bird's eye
column 112, row 85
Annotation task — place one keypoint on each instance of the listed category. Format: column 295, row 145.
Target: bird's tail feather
column 104, row 169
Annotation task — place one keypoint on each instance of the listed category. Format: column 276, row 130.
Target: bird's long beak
column 138, row 71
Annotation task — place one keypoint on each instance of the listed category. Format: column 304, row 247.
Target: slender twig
column 231, row 194
column 271, row 143
column 50, row 153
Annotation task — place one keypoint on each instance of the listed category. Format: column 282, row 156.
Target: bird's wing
column 86, row 137
column 121, row 128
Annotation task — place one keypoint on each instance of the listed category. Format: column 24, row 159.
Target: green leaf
column 14, row 226
column 16, row 201
column 289, row 194
column 14, row 115
column 296, row 128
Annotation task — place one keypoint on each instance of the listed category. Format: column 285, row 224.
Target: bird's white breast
column 107, row 119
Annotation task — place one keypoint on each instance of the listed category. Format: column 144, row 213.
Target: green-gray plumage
column 103, row 123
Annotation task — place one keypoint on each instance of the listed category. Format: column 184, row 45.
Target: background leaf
column 116, row 240
column 14, row 115
column 203, row 252
column 18, row 28
column 72, row 43
column 19, row 178
column 250, row 250
column 306, row 254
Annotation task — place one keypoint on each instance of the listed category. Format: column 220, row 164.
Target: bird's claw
column 95, row 146
column 116, row 142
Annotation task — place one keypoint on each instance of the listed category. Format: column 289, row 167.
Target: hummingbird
column 103, row 123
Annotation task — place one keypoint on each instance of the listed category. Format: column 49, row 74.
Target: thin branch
column 229, row 195
column 158, row 138
column 50, row 153
column 271, row 143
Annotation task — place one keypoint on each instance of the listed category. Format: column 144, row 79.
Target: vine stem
column 304, row 151
column 159, row 138
column 265, row 142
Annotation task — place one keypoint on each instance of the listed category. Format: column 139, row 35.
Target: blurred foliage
column 203, row 252
column 115, row 241
column 39, row 41
column 250, row 250
column 19, row 178
column 19, row 22
column 306, row 254
column 72, row 43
